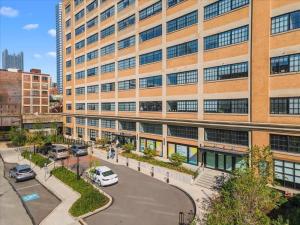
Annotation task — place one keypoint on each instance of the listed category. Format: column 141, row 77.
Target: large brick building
column 205, row 78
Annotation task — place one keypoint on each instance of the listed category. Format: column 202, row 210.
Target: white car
column 103, row 176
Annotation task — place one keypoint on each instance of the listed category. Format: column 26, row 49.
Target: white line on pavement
column 27, row 187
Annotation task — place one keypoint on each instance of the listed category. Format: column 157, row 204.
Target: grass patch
column 159, row 163
column 36, row 158
column 90, row 200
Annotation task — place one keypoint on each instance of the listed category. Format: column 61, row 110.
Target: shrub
column 103, row 141
column 128, row 147
column 177, row 159
column 149, row 153
column 17, row 136
column 36, row 158
column 90, row 200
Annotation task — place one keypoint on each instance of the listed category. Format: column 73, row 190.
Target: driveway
column 37, row 199
column 139, row 199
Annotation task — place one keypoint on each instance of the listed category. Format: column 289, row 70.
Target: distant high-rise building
column 13, row 61
column 59, row 48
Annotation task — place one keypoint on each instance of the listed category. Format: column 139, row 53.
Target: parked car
column 104, row 176
column 59, row 152
column 22, row 173
column 79, row 150
column 45, row 149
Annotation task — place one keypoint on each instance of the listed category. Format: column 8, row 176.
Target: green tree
column 17, row 136
column 149, row 153
column 245, row 199
column 177, row 159
column 128, row 147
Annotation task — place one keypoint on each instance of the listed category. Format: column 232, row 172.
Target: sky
column 29, row 26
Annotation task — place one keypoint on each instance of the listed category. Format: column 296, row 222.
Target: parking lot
column 38, row 201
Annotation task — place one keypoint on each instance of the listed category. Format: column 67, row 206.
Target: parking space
column 38, row 201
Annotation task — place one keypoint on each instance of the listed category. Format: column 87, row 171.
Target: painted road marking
column 31, row 197
column 28, row 187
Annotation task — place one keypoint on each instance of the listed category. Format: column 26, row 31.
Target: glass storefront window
column 220, row 161
column 151, row 144
column 142, row 145
column 182, row 150
column 171, row 149
column 287, row 173
column 159, row 148
column 210, row 160
column 193, row 155
column 189, row 152
column 228, row 163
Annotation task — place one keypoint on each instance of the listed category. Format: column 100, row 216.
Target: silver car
column 59, row 152
column 22, row 172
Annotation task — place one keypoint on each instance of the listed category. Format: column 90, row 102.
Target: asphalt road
column 140, row 199
column 38, row 208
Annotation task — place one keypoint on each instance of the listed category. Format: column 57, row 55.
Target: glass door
column 221, row 161
column 210, row 160
column 228, row 163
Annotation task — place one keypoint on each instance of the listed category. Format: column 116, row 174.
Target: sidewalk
column 60, row 214
column 183, row 181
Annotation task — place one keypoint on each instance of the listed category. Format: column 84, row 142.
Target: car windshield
column 108, row 173
column 27, row 170
column 81, row 147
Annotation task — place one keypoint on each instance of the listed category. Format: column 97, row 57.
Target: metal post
column 30, row 157
column 117, row 153
column 77, row 168
column 127, row 162
column 167, row 177
column 152, row 171
column 45, row 168
column 181, row 218
column 139, row 166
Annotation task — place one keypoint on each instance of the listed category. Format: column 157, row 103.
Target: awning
column 223, row 150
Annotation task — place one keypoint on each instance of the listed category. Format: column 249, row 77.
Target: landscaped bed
column 36, row 158
column 90, row 200
column 156, row 162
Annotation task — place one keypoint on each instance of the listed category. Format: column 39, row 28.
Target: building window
column 126, row 85
column 93, row 134
column 126, row 43
column 151, row 33
column 79, row 30
column 126, row 64
column 80, row 132
column 285, row 64
column 174, row 2
column 108, row 68
column 69, row 131
column 93, row 106
column 80, row 75
column 68, row 23
column 150, row 10
column 226, row 106
column 186, row 77
column 151, row 128
column 183, row 132
column 108, row 87
column 222, row 6
column 107, row 13
column 231, row 71
column 285, row 143
column 127, row 125
column 79, row 15
column 68, row 119
column 79, row 59
column 289, row 105
column 69, row 106
column 124, row 4
column 226, row 136
column 92, row 39
column 287, row 173
column 68, row 91
column 68, row 63
column 106, row 123
column 92, row 89
column 92, row 6
column 92, row 22
column 182, row 22
column 68, row 36
column 67, row 9
column 80, row 106
column 68, row 50
column 151, row 57
column 182, row 49
column 80, row 91
column 285, row 22
column 68, row 77
column 155, row 145
column 129, row 21
column 77, row 2
column 127, row 106
column 92, row 55
column 107, row 31
column 92, row 72
column 108, row 49
column 80, row 121
column 80, row 44
column 190, row 153
column 44, row 78
column 148, row 82
column 183, row 106
column 233, row 36
column 108, row 106
column 151, row 106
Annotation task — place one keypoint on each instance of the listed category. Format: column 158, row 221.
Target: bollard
column 167, row 177
column 139, row 166
column 152, row 171
column 127, row 162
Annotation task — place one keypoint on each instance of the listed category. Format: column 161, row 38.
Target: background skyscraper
column 13, row 61
column 59, row 53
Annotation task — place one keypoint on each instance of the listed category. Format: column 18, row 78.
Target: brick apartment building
column 204, row 78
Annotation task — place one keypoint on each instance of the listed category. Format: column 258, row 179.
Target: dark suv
column 79, row 150
column 45, row 148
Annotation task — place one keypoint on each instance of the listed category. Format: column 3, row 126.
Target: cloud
column 37, row 56
column 52, row 32
column 51, row 54
column 31, row 26
column 8, row 11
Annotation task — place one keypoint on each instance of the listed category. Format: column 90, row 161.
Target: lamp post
column 77, row 168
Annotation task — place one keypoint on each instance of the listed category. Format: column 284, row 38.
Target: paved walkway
column 67, row 196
